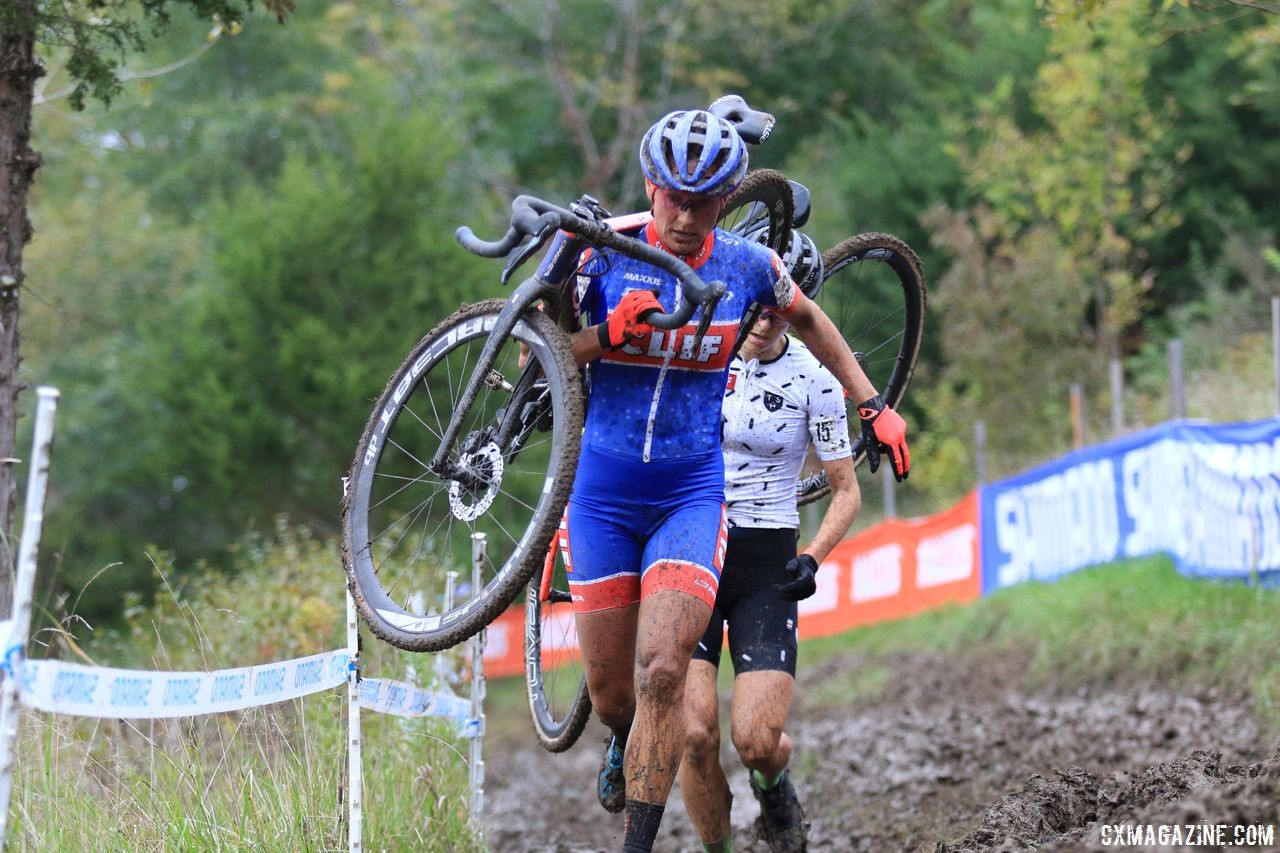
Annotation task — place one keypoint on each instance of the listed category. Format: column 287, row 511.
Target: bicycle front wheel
column 874, row 291
column 554, row 674
column 406, row 528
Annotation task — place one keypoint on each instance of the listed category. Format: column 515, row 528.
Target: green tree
column 1014, row 338
column 230, row 119
column 562, row 92
column 1222, row 69
column 96, row 37
column 250, row 398
column 888, row 145
column 1090, row 165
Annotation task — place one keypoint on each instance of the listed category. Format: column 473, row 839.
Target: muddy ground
column 956, row 757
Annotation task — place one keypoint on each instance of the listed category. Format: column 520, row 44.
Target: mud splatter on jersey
column 772, row 411
column 659, row 398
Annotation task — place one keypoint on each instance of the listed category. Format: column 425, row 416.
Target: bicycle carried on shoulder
column 478, row 430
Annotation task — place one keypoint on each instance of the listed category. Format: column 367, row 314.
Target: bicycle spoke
column 435, row 432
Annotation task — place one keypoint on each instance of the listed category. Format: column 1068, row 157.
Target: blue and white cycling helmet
column 695, row 152
column 801, row 257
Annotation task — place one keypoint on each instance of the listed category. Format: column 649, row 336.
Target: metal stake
column 355, row 779
column 479, row 555
column 23, row 591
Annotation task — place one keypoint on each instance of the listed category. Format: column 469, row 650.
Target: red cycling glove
column 625, row 323
column 882, row 427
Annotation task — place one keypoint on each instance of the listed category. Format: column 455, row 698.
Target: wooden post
column 16, row 631
column 980, row 450
column 1177, row 391
column 886, row 476
column 1077, row 415
column 355, row 764
column 1275, row 346
column 479, row 556
column 1117, row 398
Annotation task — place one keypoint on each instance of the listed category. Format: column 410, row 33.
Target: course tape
column 86, row 691
column 405, row 700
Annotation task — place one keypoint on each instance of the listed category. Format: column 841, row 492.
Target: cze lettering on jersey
column 682, row 347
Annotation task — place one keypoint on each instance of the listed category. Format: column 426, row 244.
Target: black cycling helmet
column 801, row 255
column 695, row 152
column 805, row 263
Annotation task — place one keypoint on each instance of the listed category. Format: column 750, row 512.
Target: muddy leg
column 702, row 780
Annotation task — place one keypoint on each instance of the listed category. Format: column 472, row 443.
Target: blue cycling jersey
column 659, row 398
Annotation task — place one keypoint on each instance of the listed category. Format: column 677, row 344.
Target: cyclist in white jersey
column 779, row 402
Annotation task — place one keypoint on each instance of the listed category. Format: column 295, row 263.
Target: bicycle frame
column 524, row 297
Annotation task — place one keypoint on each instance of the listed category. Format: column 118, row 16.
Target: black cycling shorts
column 762, row 627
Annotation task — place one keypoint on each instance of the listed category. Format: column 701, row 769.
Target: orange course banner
column 897, row 568
column 504, row 644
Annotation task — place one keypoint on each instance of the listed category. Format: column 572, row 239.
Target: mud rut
column 956, row 757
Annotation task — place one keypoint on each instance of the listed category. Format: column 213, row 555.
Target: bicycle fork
column 525, row 296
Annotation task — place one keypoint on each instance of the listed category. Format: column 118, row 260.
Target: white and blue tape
column 85, row 691
column 74, row 689
column 406, row 700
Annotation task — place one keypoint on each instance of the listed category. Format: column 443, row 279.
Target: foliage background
column 230, row 260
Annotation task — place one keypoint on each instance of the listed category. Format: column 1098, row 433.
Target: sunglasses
column 696, row 204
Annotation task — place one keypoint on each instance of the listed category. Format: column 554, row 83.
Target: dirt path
column 955, row 759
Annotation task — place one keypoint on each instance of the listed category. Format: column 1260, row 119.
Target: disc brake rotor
column 484, row 469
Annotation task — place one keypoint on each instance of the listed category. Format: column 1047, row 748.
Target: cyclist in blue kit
column 646, row 525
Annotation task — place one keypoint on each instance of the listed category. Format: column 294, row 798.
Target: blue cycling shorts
column 634, row 528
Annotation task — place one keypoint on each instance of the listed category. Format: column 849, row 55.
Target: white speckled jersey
column 659, row 398
column 772, row 411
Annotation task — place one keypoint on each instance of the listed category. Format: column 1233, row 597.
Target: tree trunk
column 18, row 164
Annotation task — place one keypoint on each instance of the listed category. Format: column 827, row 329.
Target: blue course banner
column 1207, row 495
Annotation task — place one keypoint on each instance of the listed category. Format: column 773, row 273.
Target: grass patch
column 1135, row 620
column 268, row 778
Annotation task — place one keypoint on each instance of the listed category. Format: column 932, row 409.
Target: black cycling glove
column 805, row 582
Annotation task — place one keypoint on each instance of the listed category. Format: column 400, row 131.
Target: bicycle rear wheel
column 762, row 205
column 405, row 528
column 554, row 672
column 762, row 200
column 874, row 291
